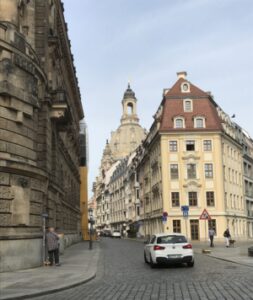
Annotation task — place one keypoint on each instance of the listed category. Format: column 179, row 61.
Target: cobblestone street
column 122, row 274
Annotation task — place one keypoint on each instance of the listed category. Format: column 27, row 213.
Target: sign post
column 44, row 217
column 206, row 217
column 185, row 210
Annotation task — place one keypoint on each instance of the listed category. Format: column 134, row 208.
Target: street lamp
column 90, row 211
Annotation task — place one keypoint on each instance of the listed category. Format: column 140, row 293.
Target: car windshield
column 171, row 239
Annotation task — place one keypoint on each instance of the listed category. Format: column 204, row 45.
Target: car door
column 149, row 246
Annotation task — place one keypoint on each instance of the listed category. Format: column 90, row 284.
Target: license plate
column 174, row 256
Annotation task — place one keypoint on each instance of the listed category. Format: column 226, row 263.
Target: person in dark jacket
column 227, row 237
column 53, row 246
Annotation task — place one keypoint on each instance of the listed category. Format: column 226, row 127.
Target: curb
column 51, row 291
column 225, row 259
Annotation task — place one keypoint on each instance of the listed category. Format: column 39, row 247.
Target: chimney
column 182, row 74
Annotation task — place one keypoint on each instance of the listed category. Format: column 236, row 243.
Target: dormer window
column 199, row 122
column 188, row 105
column 179, row 122
column 185, row 87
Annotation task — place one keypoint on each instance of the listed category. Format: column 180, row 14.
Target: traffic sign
column 164, row 219
column 185, row 210
column 205, row 215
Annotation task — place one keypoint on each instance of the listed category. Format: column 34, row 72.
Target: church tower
column 129, row 134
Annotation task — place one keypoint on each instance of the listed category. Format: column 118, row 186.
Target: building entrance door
column 194, row 224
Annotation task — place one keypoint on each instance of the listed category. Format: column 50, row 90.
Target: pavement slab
column 78, row 265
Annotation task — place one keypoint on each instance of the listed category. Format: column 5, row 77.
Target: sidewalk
column 78, row 265
column 237, row 254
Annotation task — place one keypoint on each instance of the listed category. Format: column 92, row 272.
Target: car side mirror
column 146, row 242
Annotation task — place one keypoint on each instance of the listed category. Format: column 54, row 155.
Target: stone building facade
column 40, row 110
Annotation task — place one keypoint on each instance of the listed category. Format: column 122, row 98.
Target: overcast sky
column 148, row 42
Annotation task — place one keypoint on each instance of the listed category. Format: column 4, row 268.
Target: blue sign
column 164, row 219
column 185, row 210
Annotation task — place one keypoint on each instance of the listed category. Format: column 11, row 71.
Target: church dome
column 129, row 93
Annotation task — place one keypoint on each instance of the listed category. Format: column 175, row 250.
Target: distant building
column 40, row 110
column 124, row 140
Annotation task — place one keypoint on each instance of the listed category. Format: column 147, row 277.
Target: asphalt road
column 122, row 274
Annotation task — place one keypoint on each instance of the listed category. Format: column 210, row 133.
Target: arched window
column 129, row 108
column 199, row 122
column 179, row 122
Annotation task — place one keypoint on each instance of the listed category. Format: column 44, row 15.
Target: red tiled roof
column 203, row 105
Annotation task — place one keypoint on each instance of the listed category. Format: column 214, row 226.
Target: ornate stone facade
column 40, row 110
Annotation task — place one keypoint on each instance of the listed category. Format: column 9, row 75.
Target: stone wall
column 40, row 110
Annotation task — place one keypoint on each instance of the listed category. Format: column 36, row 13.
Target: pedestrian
column 53, row 246
column 227, row 237
column 211, row 236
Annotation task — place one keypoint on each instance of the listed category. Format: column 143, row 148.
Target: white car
column 168, row 248
column 116, row 234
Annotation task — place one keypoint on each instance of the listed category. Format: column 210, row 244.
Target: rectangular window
column 190, row 145
column 187, row 105
column 191, row 171
column 138, row 210
column 193, row 198
column 207, row 145
column 173, row 146
column 174, row 171
column 212, row 224
column 175, row 199
column 177, row 226
column 209, row 170
column 210, row 199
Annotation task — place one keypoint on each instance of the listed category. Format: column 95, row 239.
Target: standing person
column 211, row 236
column 227, row 237
column 53, row 246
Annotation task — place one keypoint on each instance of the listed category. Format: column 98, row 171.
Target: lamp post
column 91, row 227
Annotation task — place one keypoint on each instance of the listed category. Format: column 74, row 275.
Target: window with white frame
column 173, row 146
column 185, row 87
column 174, row 171
column 179, row 122
column 199, row 122
column 191, row 171
column 193, row 198
column 208, row 170
column 190, row 145
column 175, row 199
column 187, row 105
column 177, row 226
column 210, row 199
column 207, row 145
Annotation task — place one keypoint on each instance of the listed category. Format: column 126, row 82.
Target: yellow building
column 192, row 158
column 83, row 169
